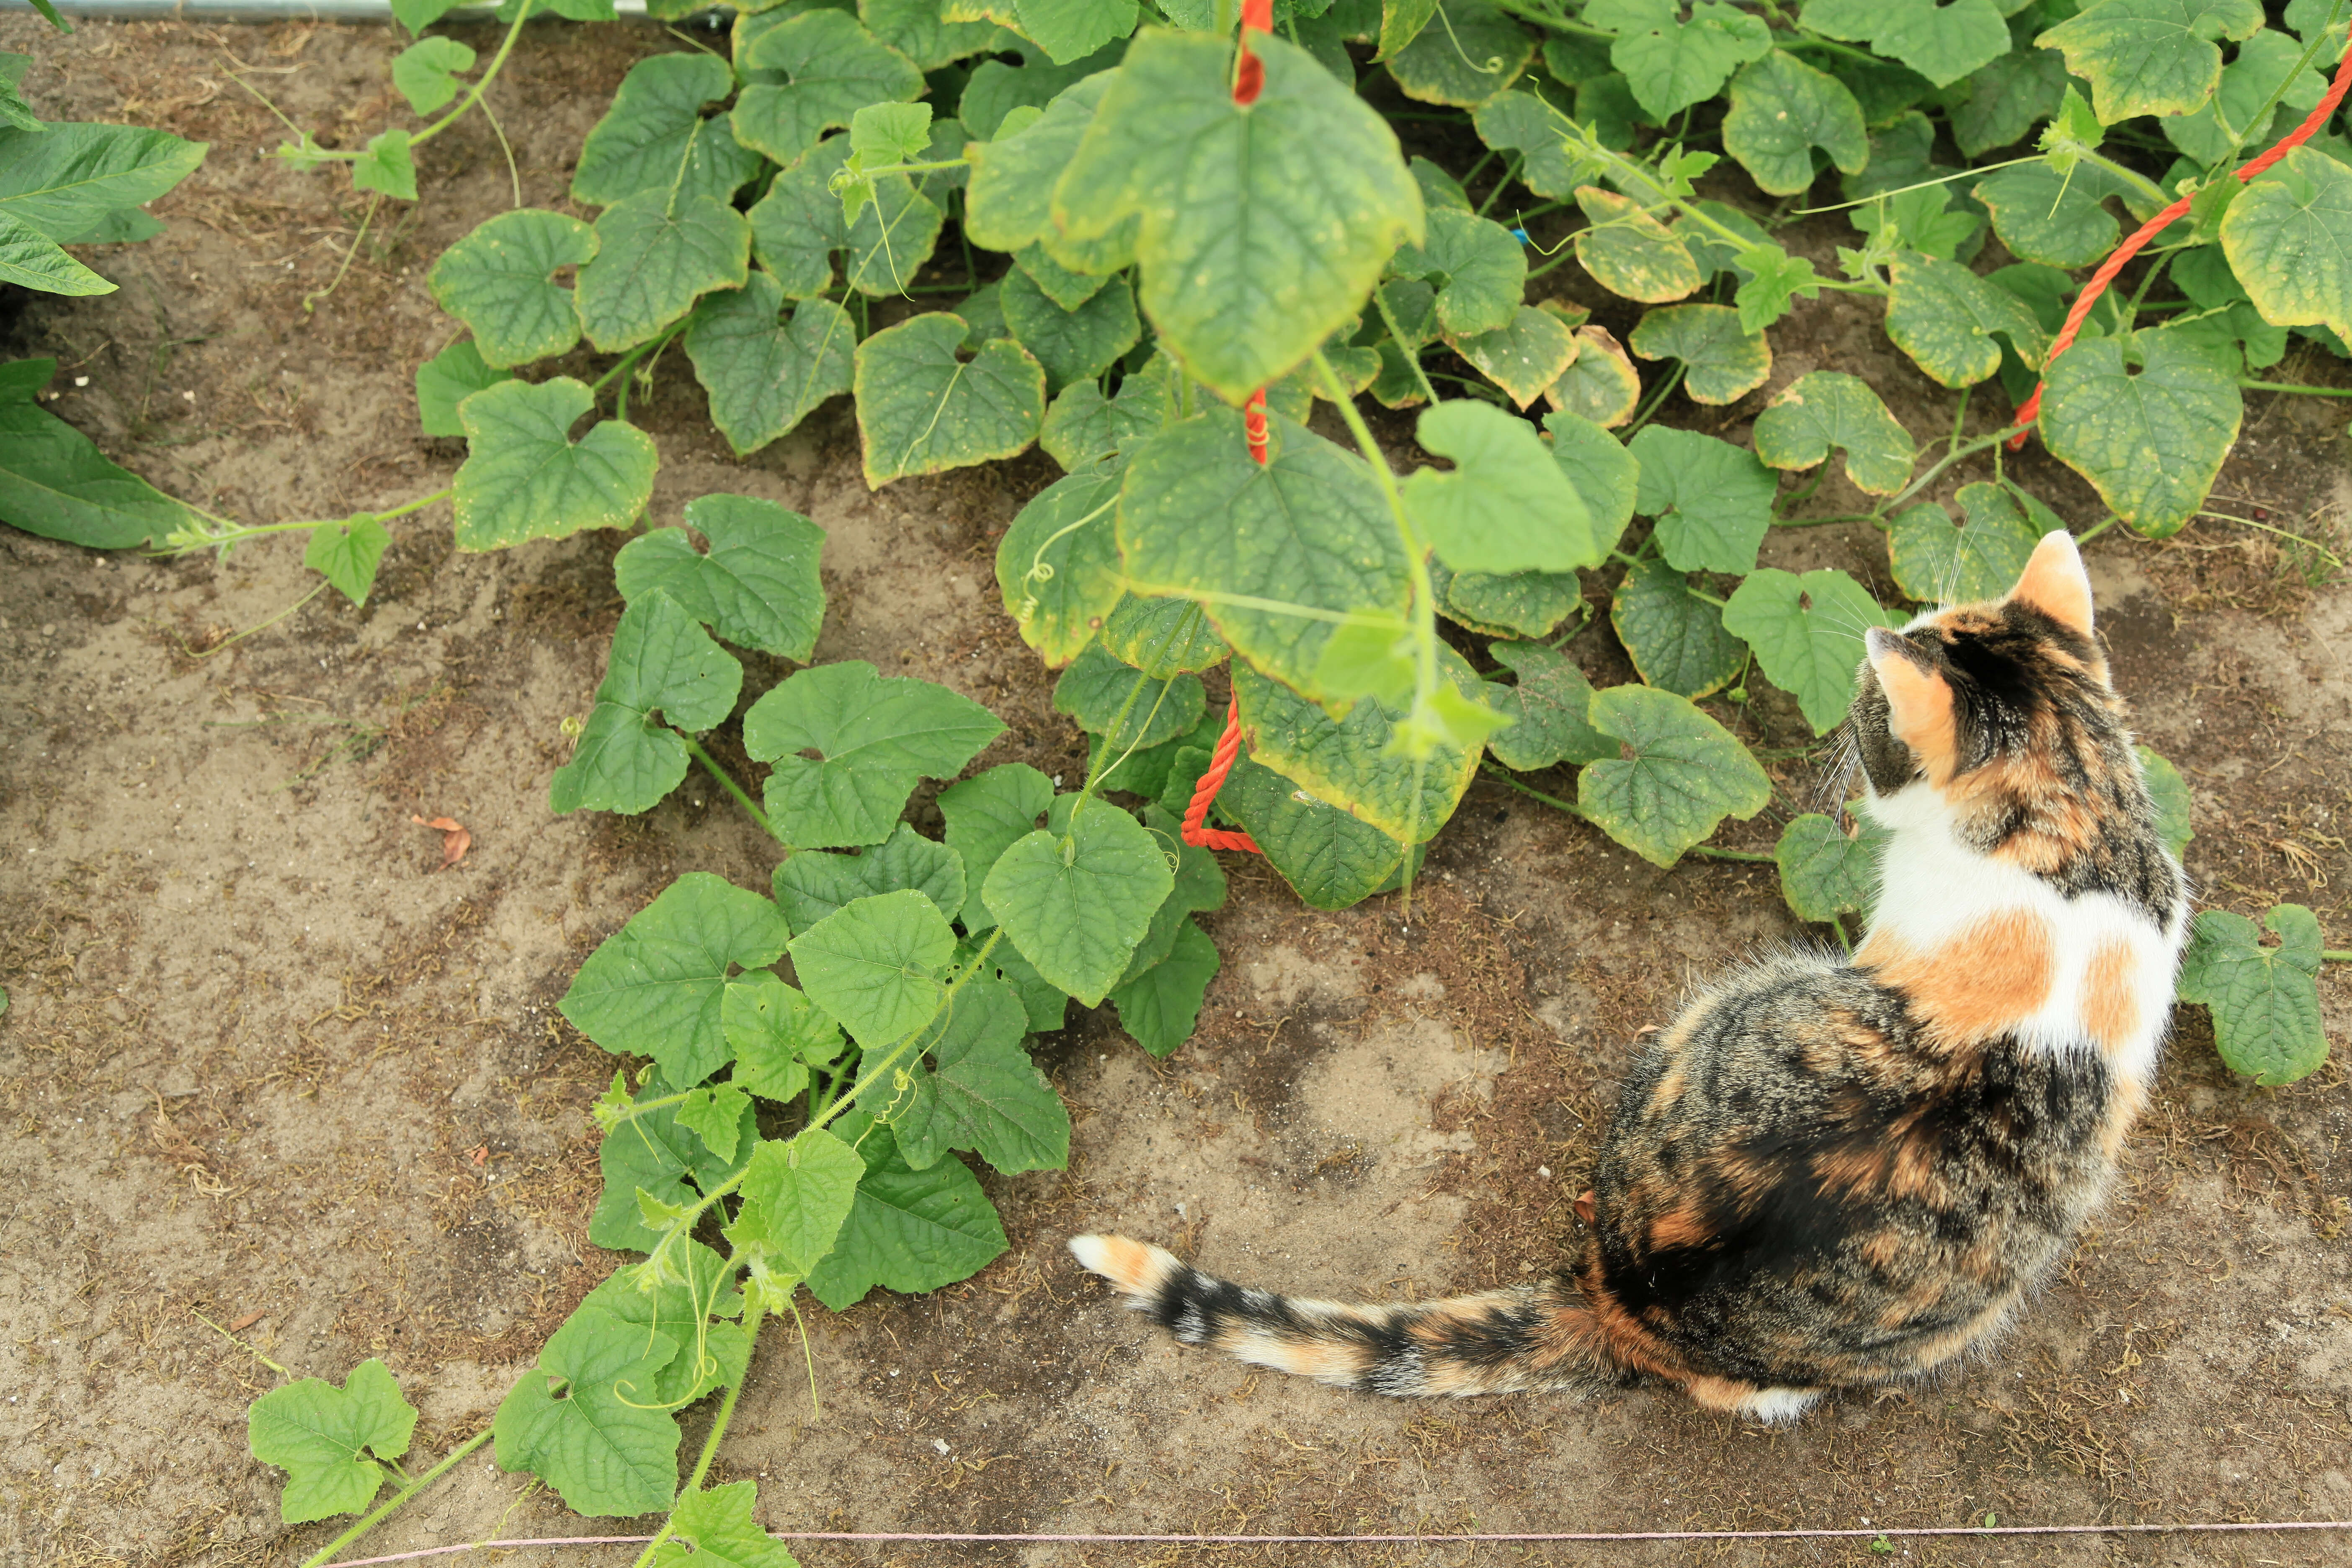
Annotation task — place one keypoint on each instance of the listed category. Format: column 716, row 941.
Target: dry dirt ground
column 267, row 1065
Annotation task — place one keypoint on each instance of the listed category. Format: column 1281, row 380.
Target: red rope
column 2130, row 247
column 1221, row 762
column 1249, row 80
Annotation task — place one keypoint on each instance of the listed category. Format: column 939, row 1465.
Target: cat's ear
column 1918, row 701
column 2055, row 583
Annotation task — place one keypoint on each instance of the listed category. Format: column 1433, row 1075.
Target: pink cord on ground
column 955, row 1538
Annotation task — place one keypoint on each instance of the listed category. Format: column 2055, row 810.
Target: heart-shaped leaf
column 525, row 479
column 1682, row 774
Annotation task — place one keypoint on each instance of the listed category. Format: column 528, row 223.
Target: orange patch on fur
column 1854, row 1170
column 1919, row 712
column 1719, row 1393
column 1627, row 1342
column 2110, row 1009
column 1988, row 980
column 1128, row 1263
column 1334, row 1361
column 1679, row 1227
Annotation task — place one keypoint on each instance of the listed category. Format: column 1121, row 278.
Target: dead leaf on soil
column 454, row 839
column 248, row 1321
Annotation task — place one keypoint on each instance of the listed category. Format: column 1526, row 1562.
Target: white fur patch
column 1779, row 1406
column 1951, row 889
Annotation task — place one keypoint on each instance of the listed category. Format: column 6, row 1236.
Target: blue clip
column 1521, row 236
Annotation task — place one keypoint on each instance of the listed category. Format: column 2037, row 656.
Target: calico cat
column 1835, row 1171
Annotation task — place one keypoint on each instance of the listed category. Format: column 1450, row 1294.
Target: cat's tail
column 1528, row 1338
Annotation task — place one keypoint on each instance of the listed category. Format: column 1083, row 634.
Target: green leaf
column 714, row 1528
column 1941, row 42
column 653, row 136
column 656, row 256
column 997, row 90
column 650, row 1153
column 1825, row 873
column 1778, row 278
column 30, row 259
column 1523, row 358
column 1683, row 776
column 1083, row 426
column 1676, row 640
column 1161, row 1006
column 418, row 14
column 914, row 29
column 1261, row 228
column 1521, row 605
column 2000, row 102
column 757, row 587
column 875, row 964
column 500, row 280
column 1916, row 220
column 1065, row 288
column 834, row 67
column 1198, row 516
column 1807, row 633
column 985, row 816
column 14, row 109
column 1943, row 316
column 1713, row 501
column 797, row 1192
column 776, row 1034
column 322, row 1436
column 1506, row 506
column 2150, row 440
column 909, row 1230
column 346, row 553
column 1074, row 345
column 1671, row 64
column 1549, row 707
column 662, row 659
column 1602, row 385
column 714, row 1113
column 1936, row 563
column 384, row 165
column 524, row 479
column 1010, row 202
column 1479, row 269
column 764, row 373
column 2149, row 56
column 1329, row 858
column 1076, row 904
column 2175, row 802
column 654, row 988
column 447, row 379
column 1096, row 685
column 2264, row 1000
column 66, row 177
column 1724, row 363
column 1550, row 165
column 2269, row 77
column 426, row 72
column 598, row 1443
column 814, row 884
column 2289, row 240
column 1471, row 53
column 1349, row 762
column 1070, row 30
column 1057, row 565
column 921, row 408
column 982, row 1092
column 1825, row 408
column 1630, row 253
column 1782, row 109
column 875, row 737
column 677, row 1303
column 1162, row 637
column 2056, row 219
column 56, row 483
column 1401, row 22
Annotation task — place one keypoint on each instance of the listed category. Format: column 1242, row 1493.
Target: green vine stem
column 326, row 1553
column 752, row 1309
column 711, row 766
column 2247, row 383
column 179, row 541
column 506, row 47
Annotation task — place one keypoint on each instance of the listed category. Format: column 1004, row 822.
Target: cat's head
column 2004, row 706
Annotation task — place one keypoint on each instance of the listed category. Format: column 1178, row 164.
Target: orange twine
column 2130, row 247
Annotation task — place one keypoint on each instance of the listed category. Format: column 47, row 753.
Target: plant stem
column 2250, row 384
column 310, row 302
column 506, row 47
column 1507, row 782
column 896, row 1051
column 1412, row 356
column 630, row 359
column 326, row 1553
column 711, row 766
column 1666, row 388
column 752, row 1311
column 2249, row 523
column 2343, row 957
column 1959, row 450
column 2148, row 189
column 1712, row 853
column 2098, row 529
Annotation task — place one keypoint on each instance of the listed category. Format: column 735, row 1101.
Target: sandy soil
column 327, row 1098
